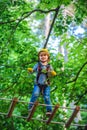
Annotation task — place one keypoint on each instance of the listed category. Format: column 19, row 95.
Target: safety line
column 20, row 101
column 42, row 120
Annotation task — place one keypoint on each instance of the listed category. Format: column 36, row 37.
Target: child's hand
column 53, row 73
column 30, row 70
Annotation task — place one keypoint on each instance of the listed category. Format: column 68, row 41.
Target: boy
column 44, row 71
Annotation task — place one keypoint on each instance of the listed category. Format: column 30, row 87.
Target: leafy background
column 20, row 40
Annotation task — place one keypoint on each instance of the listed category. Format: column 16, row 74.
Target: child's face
column 43, row 57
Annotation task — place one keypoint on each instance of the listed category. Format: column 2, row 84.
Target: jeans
column 46, row 95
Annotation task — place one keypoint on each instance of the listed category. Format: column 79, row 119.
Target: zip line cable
column 56, row 13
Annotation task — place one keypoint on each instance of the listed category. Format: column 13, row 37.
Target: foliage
column 19, row 43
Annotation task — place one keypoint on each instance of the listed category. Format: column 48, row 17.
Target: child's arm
column 53, row 73
column 31, row 70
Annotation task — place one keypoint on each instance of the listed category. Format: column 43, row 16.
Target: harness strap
column 48, row 67
column 39, row 72
column 42, row 87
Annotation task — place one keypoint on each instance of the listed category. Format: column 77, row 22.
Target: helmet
column 44, row 50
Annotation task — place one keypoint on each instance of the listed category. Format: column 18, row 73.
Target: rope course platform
column 29, row 117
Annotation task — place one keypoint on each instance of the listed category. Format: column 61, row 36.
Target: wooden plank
column 32, row 111
column 53, row 113
column 72, row 116
column 12, row 105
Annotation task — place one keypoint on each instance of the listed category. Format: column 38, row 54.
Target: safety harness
column 39, row 73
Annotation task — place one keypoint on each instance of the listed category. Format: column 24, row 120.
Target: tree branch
column 7, row 22
column 81, row 96
column 57, row 10
column 74, row 80
column 26, row 14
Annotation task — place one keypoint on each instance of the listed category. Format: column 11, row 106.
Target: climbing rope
column 56, row 107
column 62, row 107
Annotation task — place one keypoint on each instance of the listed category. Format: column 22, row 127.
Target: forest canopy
column 27, row 26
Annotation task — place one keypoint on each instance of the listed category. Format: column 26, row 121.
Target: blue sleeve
column 51, row 68
column 35, row 67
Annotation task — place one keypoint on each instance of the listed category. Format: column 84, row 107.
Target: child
column 44, row 71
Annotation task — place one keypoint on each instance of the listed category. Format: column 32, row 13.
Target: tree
column 20, row 39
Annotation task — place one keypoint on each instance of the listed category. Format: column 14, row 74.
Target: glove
column 53, row 73
column 30, row 70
